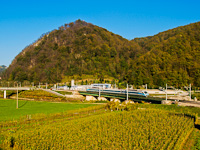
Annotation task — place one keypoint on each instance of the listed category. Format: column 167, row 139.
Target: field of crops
column 138, row 129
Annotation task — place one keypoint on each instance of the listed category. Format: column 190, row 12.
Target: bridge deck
column 14, row 88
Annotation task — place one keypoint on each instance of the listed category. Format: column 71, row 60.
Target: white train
column 120, row 91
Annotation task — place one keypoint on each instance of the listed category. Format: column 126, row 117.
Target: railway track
column 135, row 98
column 123, row 96
column 153, row 100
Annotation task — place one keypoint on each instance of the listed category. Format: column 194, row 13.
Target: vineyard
column 137, row 129
column 174, row 108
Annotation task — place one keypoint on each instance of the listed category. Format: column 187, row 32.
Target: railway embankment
column 189, row 103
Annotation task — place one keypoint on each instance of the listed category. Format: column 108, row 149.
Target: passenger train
column 120, row 91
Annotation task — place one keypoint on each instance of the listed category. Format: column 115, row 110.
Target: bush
column 115, row 105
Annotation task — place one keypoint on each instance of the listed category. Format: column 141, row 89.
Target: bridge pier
column 4, row 96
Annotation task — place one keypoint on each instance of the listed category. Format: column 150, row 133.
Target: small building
column 72, row 83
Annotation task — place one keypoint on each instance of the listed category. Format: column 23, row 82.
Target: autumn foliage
column 81, row 48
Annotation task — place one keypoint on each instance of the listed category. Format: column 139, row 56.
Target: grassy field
column 8, row 109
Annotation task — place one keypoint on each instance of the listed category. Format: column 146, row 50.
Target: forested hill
column 173, row 57
column 75, row 48
column 81, row 48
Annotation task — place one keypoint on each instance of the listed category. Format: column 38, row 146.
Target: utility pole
column 166, row 91
column 46, row 85
column 127, row 93
column 99, row 92
column 146, row 87
column 17, row 96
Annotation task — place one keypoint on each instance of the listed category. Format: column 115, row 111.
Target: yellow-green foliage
column 39, row 95
column 84, row 77
column 138, row 129
column 1, row 93
column 121, row 106
column 171, row 56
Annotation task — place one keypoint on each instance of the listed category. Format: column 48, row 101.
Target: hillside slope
column 173, row 57
column 81, row 48
column 76, row 48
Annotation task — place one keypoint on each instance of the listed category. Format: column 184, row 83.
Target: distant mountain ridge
column 2, row 68
column 80, row 48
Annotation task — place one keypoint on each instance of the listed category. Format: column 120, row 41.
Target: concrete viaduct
column 13, row 89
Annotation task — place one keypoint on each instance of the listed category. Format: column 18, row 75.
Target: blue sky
column 22, row 21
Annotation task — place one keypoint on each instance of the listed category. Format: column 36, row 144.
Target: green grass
column 8, row 109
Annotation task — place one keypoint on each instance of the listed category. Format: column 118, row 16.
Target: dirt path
column 189, row 104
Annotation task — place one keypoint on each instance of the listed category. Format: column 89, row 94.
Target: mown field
column 8, row 109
